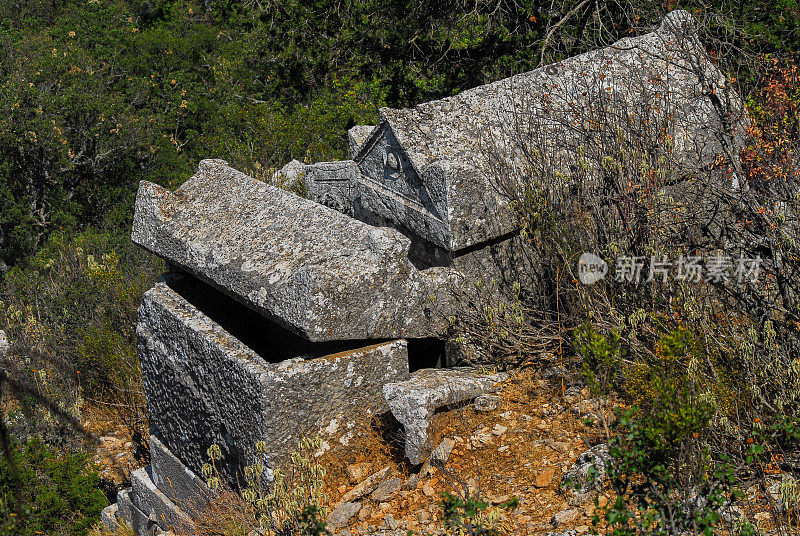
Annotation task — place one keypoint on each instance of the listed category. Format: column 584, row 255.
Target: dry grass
column 120, row 530
column 227, row 515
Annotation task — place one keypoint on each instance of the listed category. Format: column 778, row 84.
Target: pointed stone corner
column 317, row 272
column 108, row 516
column 356, row 137
column 678, row 22
column 413, row 402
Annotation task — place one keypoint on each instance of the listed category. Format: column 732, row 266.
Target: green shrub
column 602, row 358
column 663, row 476
column 43, row 491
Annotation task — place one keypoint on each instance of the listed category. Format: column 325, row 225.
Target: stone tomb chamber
column 283, row 317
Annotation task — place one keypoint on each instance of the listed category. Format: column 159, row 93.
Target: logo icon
column 591, row 268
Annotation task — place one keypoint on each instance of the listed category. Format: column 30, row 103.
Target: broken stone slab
column 441, row 454
column 315, row 271
column 156, row 505
column 177, row 481
column 205, row 386
column 124, row 505
column 446, row 169
column 356, row 136
column 332, row 184
column 414, row 401
column 108, row 516
column 366, row 487
column 387, row 489
column 130, row 515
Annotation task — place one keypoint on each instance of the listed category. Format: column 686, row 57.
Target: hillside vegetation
column 99, row 95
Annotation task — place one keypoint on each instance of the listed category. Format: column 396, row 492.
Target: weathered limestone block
column 356, row 137
column 204, row 386
column 108, row 516
column 444, row 169
column 157, row 506
column 586, row 475
column 177, row 481
column 130, row 515
column 342, row 515
column 503, row 261
column 289, row 176
column 414, row 401
column 316, row 271
column 457, row 207
column 333, row 184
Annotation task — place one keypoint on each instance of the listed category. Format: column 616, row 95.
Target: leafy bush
column 662, row 474
column 601, row 358
column 46, row 492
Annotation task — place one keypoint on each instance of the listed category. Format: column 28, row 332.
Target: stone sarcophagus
column 285, row 316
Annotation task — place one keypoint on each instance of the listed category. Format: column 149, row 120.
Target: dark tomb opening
column 268, row 339
column 425, row 353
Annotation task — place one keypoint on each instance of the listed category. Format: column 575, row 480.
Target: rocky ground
column 117, row 454
column 546, row 428
column 538, row 430
column 520, row 448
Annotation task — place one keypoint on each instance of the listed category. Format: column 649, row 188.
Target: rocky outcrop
column 586, row 475
column 413, row 402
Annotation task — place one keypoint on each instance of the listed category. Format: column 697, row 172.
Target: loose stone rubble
column 299, row 311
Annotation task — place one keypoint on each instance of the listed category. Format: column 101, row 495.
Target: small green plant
column 602, row 358
column 470, row 516
column 295, row 503
column 291, row 504
column 663, row 475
